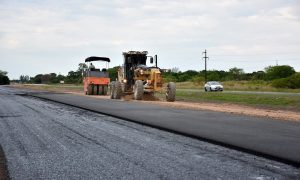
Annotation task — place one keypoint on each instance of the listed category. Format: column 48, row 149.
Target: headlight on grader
column 148, row 82
column 141, row 72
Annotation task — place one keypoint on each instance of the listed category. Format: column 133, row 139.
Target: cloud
column 178, row 31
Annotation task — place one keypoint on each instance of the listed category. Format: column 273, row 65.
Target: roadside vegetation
column 4, row 80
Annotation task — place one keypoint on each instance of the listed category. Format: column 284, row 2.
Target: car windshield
column 214, row 83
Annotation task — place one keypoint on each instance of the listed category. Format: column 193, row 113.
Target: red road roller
column 96, row 80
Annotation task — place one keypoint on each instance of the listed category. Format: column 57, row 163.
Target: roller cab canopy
column 94, row 58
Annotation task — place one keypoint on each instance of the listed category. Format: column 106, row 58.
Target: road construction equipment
column 95, row 80
column 136, row 78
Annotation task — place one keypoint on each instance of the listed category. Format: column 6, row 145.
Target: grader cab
column 138, row 78
column 96, row 80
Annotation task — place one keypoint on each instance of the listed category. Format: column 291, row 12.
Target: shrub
column 198, row 80
column 291, row 82
column 276, row 72
column 4, row 80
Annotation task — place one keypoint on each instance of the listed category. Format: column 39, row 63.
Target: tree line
column 280, row 76
column 73, row 77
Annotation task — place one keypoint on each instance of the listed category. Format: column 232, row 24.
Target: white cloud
column 178, row 31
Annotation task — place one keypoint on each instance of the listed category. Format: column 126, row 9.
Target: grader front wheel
column 117, row 90
column 138, row 90
column 171, row 92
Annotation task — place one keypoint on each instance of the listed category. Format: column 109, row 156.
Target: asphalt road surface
column 47, row 140
column 273, row 138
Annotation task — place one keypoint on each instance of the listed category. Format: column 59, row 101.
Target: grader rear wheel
column 171, row 92
column 112, row 89
column 138, row 90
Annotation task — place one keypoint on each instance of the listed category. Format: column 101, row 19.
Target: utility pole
column 205, row 58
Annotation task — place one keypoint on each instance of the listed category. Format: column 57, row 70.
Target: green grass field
column 238, row 86
column 278, row 101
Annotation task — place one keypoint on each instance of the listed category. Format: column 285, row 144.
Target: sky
column 39, row 37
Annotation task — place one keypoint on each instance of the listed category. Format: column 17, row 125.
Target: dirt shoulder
column 218, row 107
column 3, row 167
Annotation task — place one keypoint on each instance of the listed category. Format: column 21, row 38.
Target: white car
column 213, row 86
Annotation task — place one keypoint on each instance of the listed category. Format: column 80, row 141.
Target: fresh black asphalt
column 48, row 140
column 273, row 138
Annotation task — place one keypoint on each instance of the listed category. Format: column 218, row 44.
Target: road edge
column 4, row 174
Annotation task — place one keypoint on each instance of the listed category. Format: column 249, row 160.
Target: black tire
column 95, row 90
column 171, row 92
column 205, row 89
column 138, row 90
column 90, row 90
column 105, row 89
column 210, row 89
column 112, row 89
column 117, row 90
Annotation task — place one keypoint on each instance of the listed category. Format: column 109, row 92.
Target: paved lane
column 45, row 140
column 269, row 137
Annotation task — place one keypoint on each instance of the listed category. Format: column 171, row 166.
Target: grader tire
column 171, row 92
column 117, row 90
column 89, row 90
column 112, row 89
column 138, row 90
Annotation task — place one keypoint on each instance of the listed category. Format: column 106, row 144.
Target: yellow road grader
column 135, row 77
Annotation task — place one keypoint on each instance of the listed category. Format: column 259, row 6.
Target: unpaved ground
column 3, row 170
column 220, row 107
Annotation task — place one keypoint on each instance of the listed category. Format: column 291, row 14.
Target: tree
column 37, row 79
column 236, row 73
column 24, row 79
column 74, row 77
column 46, row 78
column 277, row 72
column 81, row 67
column 175, row 69
column 113, row 73
column 4, row 80
column 3, row 73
